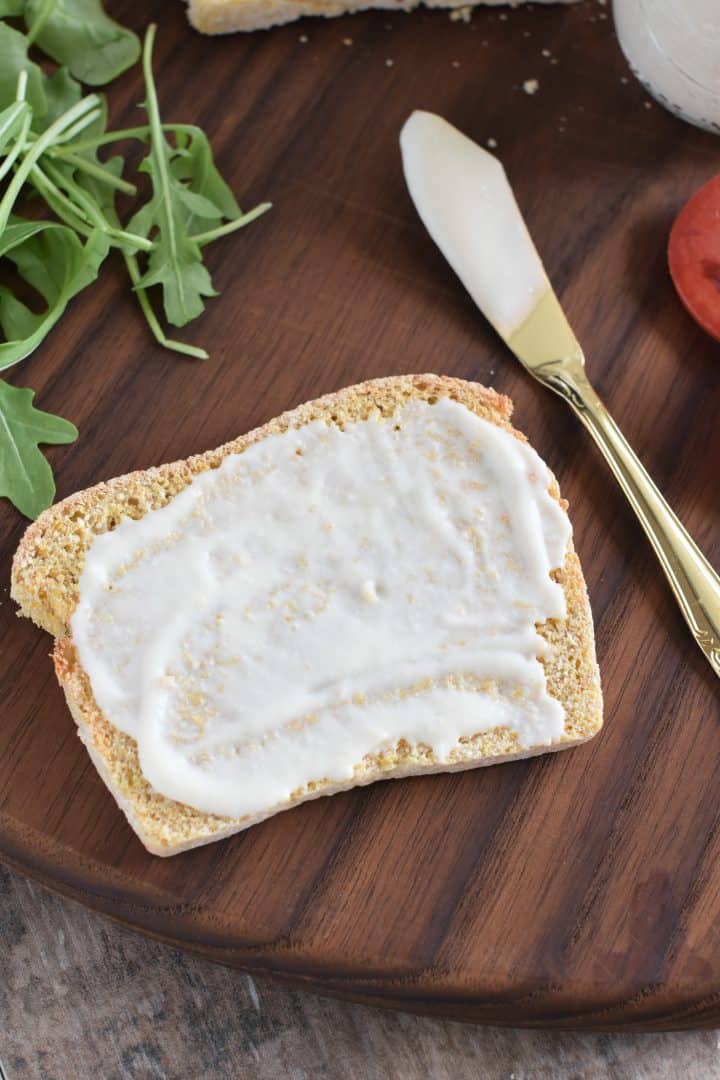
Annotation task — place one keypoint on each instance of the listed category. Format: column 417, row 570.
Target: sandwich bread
column 228, row 16
column 55, row 571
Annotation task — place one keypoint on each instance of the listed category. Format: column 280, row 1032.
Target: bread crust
column 230, row 16
column 45, row 579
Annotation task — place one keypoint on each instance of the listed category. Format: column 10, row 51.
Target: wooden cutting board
column 580, row 889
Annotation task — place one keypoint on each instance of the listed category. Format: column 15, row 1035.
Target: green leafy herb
column 9, row 8
column 54, row 262
column 188, row 203
column 25, row 475
column 51, row 133
column 79, row 34
column 61, row 93
column 13, row 61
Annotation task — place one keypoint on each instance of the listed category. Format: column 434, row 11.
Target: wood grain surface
column 577, row 890
column 84, row 999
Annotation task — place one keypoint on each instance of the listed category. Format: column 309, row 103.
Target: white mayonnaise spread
column 467, row 205
column 323, row 595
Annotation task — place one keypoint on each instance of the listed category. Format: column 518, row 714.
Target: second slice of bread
column 229, row 16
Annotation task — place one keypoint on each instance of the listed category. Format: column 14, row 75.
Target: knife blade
column 466, row 203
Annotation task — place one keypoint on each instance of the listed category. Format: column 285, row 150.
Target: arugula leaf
column 25, row 475
column 52, row 259
column 13, row 60
column 50, row 134
column 61, row 93
column 186, row 189
column 192, row 163
column 8, row 8
column 79, row 34
column 176, row 261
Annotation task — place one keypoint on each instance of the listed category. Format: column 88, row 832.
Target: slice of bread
column 228, row 16
column 50, row 558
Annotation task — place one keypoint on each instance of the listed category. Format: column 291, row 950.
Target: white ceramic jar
column 673, row 47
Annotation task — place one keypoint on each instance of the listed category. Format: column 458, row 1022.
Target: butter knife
column 467, row 205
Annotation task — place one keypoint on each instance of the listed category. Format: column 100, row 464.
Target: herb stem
column 151, row 317
column 8, row 125
column 22, row 85
column 43, row 15
column 70, row 133
column 93, row 169
column 158, row 158
column 140, row 132
column 64, row 208
column 37, row 149
column 91, row 212
column 18, row 148
column 231, row 226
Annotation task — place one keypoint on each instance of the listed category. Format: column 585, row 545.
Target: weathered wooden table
column 84, row 999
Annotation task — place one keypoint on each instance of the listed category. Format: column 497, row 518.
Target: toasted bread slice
column 228, row 16
column 50, row 558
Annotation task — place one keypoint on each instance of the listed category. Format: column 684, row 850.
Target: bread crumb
column 554, row 60
column 546, row 52
column 389, row 63
column 503, row 16
column 303, row 39
column 647, row 104
column 492, row 143
column 624, row 80
column 531, row 86
column 347, row 41
column 368, row 591
column 461, row 14
column 455, row 63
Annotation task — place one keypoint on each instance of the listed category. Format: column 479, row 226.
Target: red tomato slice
column 694, row 256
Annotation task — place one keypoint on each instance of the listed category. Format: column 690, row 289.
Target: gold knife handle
column 695, row 584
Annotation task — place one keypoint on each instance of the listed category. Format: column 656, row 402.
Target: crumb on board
column 461, row 14
column 389, row 62
column 455, row 63
column 531, row 86
column 492, row 143
column 347, row 41
column 303, row 39
column 546, row 53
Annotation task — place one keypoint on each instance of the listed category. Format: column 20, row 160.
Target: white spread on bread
column 467, row 205
column 322, row 596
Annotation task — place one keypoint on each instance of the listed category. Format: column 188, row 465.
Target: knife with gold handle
column 467, row 205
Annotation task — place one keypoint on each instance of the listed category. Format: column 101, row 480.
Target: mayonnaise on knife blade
column 467, row 205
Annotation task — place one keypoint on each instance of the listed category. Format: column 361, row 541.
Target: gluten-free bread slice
column 228, row 16
column 49, row 562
